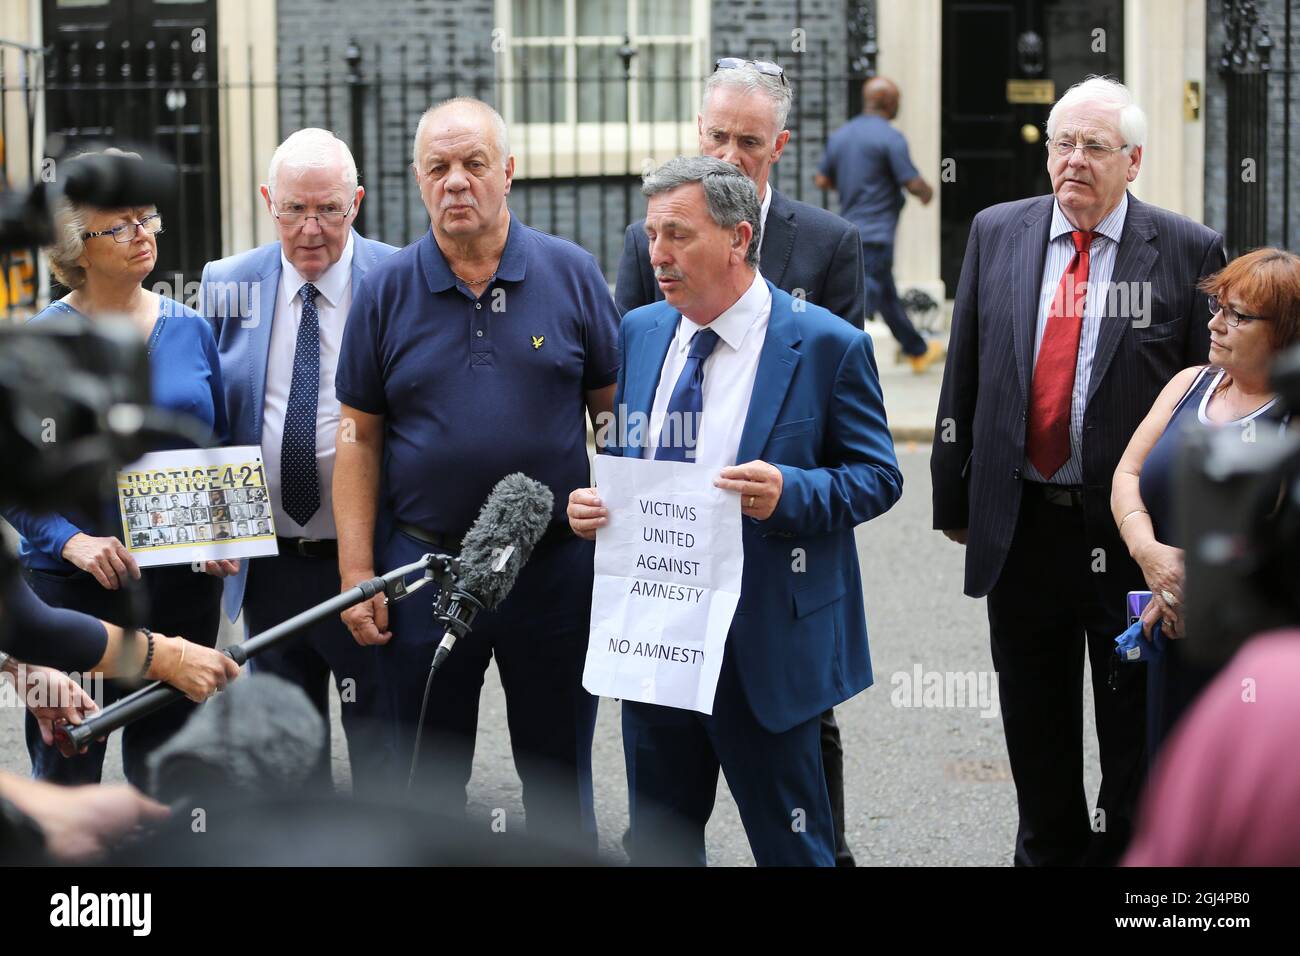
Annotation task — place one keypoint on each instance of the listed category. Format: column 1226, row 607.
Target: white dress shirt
column 1101, row 263
column 728, row 375
column 332, row 304
column 764, row 206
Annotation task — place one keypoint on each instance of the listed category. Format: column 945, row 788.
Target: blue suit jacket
column 799, row 638
column 802, row 247
column 244, row 342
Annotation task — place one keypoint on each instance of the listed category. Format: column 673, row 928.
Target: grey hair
column 69, row 224
column 1108, row 94
column 748, row 78
column 498, row 126
column 730, row 195
column 312, row 148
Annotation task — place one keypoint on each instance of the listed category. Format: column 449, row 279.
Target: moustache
column 663, row 272
column 449, row 201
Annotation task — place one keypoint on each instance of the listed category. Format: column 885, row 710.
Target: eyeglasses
column 296, row 213
column 1230, row 316
column 1063, row 147
column 151, row 224
column 766, row 67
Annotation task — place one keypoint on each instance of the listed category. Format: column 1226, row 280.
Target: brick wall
column 427, row 50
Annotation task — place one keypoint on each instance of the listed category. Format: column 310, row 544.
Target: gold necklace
column 473, row 281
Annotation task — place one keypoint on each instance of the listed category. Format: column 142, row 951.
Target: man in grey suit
column 808, row 252
column 1072, row 312
column 278, row 312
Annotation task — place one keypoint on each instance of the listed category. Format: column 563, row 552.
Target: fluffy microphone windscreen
column 114, row 181
column 512, row 521
column 259, row 736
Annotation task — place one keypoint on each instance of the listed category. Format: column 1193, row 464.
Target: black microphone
column 511, row 522
column 260, row 737
column 509, row 525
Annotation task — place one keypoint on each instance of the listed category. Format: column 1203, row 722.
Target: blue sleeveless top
column 1156, row 484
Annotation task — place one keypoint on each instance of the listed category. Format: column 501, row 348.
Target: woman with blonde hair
column 76, row 559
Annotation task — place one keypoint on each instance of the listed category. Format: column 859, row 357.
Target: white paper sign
column 196, row 504
column 668, row 570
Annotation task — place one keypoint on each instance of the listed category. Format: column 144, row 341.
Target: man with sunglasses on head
column 1072, row 313
column 278, row 312
column 805, row 251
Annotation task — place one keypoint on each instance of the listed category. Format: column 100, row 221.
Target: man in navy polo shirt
column 471, row 354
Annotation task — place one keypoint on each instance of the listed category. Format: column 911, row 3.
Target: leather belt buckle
column 310, row 547
column 1062, row 496
column 436, row 539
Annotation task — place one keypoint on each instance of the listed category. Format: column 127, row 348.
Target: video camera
column 1239, row 505
column 74, row 395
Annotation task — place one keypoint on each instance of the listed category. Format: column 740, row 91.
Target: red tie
column 1048, row 441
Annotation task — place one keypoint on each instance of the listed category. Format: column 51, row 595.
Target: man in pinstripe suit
column 1072, row 312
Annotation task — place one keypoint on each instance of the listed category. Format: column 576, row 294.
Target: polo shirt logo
column 538, row 340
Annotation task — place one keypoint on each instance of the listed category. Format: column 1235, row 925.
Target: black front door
column 142, row 73
column 1004, row 63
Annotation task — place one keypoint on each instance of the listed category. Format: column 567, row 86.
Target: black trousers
column 538, row 637
column 181, row 603
column 283, row 585
column 1053, row 603
column 833, row 767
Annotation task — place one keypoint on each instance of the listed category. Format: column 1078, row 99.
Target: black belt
column 555, row 531
column 309, row 547
column 1066, row 496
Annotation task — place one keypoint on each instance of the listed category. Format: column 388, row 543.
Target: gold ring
column 752, row 499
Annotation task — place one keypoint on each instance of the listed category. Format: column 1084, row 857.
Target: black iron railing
column 583, row 140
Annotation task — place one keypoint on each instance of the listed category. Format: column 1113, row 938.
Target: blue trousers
column 181, row 603
column 882, row 296
column 539, row 639
column 280, row 587
column 673, row 757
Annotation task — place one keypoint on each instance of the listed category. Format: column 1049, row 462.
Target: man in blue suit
column 808, row 252
column 278, row 312
column 790, row 417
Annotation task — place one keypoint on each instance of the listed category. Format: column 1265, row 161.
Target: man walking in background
column 868, row 162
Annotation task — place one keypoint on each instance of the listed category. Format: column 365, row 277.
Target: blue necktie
column 299, row 477
column 681, row 428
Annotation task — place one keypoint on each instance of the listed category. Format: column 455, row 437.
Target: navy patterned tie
column 299, row 477
column 681, row 428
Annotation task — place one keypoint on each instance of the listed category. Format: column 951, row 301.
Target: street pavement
column 926, row 775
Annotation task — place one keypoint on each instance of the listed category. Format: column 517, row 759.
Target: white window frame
column 547, row 150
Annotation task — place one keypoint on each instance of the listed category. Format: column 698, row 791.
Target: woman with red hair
column 1254, row 317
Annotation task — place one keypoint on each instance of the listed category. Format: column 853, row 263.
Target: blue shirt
column 472, row 390
column 869, row 163
column 185, row 377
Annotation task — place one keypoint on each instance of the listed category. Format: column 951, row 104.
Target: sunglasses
column 765, row 67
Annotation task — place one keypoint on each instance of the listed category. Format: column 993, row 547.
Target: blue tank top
column 1156, row 484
